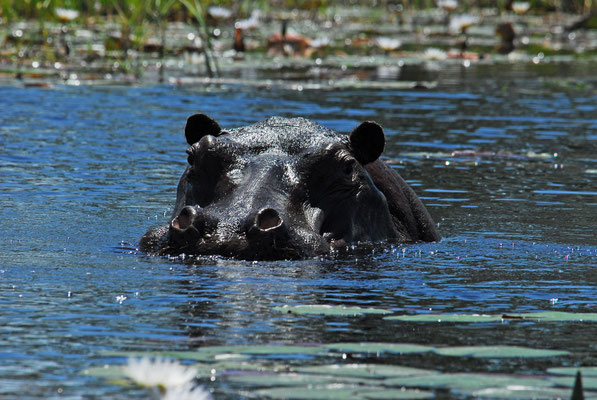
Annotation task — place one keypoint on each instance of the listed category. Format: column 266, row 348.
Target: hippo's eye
column 348, row 165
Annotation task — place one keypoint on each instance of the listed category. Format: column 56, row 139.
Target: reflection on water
column 506, row 167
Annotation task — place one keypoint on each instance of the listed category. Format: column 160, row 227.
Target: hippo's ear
column 367, row 142
column 200, row 125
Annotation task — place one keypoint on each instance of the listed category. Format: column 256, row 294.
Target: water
column 85, row 171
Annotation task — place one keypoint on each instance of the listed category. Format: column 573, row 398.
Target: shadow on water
column 506, row 167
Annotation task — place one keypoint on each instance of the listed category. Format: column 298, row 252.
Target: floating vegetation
column 571, row 371
column 342, row 391
column 498, row 352
column 588, row 383
column 446, row 318
column 265, row 378
column 365, row 370
column 543, row 316
column 108, row 372
column 239, row 354
column 468, row 382
column 379, row 348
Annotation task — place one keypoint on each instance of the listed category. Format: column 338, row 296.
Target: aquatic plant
column 130, row 16
column 187, row 392
column 171, row 379
column 195, row 7
column 160, row 372
column 159, row 11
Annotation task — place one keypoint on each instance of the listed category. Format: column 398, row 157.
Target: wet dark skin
column 287, row 189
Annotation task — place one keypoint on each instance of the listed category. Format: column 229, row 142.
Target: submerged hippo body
column 286, row 189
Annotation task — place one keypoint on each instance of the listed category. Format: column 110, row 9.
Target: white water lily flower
column 461, row 23
column 387, row 43
column 250, row 23
column 435, row 54
column 320, row 42
column 187, row 392
column 520, row 7
column 65, row 14
column 447, row 5
column 160, row 372
column 219, row 12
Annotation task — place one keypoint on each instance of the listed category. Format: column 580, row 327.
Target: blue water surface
column 506, row 167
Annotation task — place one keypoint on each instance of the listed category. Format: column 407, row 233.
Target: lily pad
column 225, row 367
column 365, row 370
column 325, row 309
column 560, row 316
column 465, row 381
column 498, row 352
column 105, row 371
column 446, row 318
column 334, row 391
column 571, row 371
column 588, row 383
column 223, row 353
column 551, row 316
column 259, row 349
column 181, row 355
column 522, row 392
column 378, row 348
column 294, row 379
column 399, row 394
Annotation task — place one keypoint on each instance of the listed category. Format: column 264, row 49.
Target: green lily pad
column 295, row 379
column 464, row 381
column 334, row 391
column 217, row 351
column 571, row 371
column 588, row 383
column 551, row 316
column 181, row 355
column 324, row 309
column 521, row 392
column 378, row 348
column 446, row 318
column 399, row 394
column 497, row 352
column 365, row 370
column 560, row 316
column 223, row 353
column 225, row 367
column 105, row 371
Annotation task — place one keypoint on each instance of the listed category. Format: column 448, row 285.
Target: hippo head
column 279, row 189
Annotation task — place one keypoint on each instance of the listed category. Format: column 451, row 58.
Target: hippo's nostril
column 184, row 218
column 268, row 219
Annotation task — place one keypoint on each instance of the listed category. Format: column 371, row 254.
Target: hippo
column 287, row 188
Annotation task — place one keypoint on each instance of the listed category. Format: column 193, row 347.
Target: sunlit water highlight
column 85, row 171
